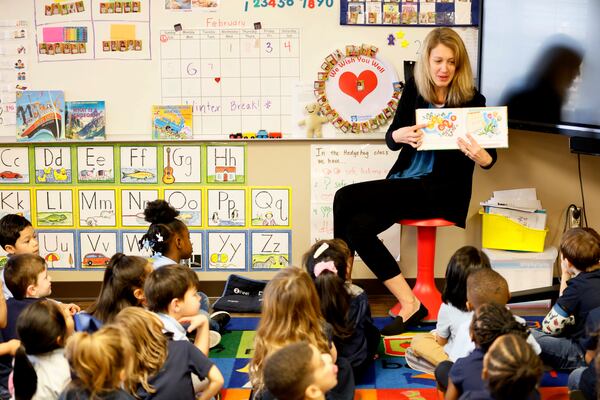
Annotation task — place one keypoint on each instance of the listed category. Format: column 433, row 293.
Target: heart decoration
column 217, row 80
column 349, row 84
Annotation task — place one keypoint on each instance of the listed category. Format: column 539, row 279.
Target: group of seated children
column 315, row 338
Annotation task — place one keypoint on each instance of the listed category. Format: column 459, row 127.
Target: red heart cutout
column 349, row 84
column 217, row 80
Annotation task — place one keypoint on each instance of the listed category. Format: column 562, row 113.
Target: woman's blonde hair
column 462, row 88
column 148, row 341
column 290, row 313
column 99, row 359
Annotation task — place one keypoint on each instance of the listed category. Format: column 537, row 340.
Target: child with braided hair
column 490, row 321
column 169, row 240
column 511, row 369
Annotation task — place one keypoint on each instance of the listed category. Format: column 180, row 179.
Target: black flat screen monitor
column 541, row 58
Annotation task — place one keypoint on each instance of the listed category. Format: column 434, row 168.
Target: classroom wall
column 535, row 160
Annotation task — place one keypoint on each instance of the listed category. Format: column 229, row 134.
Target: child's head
column 331, row 255
column 173, row 290
column 486, row 286
column 463, row 262
column 148, row 341
column 290, row 313
column 42, row 327
column 492, row 320
column 581, row 247
column 511, row 368
column 122, row 286
column 17, row 236
column 327, row 263
column 26, row 276
column 101, row 361
column 166, row 234
column 299, row 371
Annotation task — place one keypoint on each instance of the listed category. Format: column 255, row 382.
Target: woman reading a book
column 421, row 184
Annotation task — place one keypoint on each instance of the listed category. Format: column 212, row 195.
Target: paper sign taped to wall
column 122, row 32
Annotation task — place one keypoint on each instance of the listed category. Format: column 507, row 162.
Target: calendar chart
column 233, row 78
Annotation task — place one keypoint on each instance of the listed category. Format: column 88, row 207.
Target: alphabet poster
column 139, row 164
column 14, row 165
column 225, row 164
column 182, row 164
column 226, row 207
column 54, row 207
column 227, row 250
column 15, row 202
column 96, row 164
column 270, row 206
column 130, row 244
column 97, row 248
column 133, row 203
column 58, row 248
column 53, row 165
column 270, row 250
column 88, row 202
column 97, row 207
column 189, row 204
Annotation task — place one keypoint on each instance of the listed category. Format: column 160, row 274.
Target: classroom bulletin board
column 243, row 66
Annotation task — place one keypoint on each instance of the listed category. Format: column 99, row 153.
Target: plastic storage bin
column 499, row 232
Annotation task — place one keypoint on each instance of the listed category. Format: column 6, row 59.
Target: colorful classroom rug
column 388, row 378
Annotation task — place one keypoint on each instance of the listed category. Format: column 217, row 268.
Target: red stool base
column 425, row 288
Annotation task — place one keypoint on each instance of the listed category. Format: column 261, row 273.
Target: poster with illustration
column 138, row 164
column 270, row 206
column 15, row 202
column 53, row 165
column 227, row 250
column 226, row 207
column 54, row 207
column 14, row 165
column 58, row 248
column 97, row 248
column 270, row 250
column 487, row 125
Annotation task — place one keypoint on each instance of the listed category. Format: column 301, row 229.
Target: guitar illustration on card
column 168, row 177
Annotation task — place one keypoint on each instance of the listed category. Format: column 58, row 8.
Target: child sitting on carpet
column 427, row 350
column 511, row 369
column 101, row 363
column 345, row 306
column 490, row 321
column 169, row 239
column 483, row 286
column 290, row 314
column 163, row 367
column 299, row 371
column 563, row 336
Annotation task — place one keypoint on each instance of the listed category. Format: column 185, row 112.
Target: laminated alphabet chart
column 87, row 202
column 92, row 30
column 233, row 78
column 487, row 125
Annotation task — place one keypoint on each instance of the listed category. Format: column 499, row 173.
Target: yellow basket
column 499, row 232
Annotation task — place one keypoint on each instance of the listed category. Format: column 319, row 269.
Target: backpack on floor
column 241, row 295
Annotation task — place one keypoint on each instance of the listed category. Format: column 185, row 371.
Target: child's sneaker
column 214, row 338
column 222, row 318
column 417, row 363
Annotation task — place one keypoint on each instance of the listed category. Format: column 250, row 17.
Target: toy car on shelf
column 275, row 135
column 249, row 135
column 237, row 135
column 262, row 134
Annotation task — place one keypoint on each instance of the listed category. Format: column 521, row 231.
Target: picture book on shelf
column 172, row 122
column 85, row 120
column 40, row 115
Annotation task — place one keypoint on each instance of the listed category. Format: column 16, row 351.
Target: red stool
column 425, row 289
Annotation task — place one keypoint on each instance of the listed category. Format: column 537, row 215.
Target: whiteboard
column 131, row 86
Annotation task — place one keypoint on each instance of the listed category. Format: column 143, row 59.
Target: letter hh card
column 487, row 125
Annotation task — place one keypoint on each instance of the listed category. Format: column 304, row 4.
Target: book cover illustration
column 487, row 125
column 40, row 115
column 85, row 120
column 172, row 122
